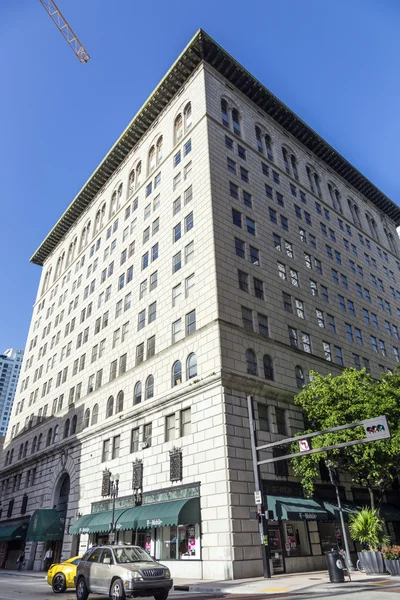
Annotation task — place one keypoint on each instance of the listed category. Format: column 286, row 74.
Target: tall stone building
column 220, row 249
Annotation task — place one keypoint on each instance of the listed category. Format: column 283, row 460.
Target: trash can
column 335, row 566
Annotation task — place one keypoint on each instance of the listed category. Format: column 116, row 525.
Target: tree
column 329, row 401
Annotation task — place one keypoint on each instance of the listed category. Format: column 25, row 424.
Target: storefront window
column 180, row 543
column 296, row 538
column 330, row 535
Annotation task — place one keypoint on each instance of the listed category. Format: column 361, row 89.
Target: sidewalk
column 36, row 574
column 292, row 583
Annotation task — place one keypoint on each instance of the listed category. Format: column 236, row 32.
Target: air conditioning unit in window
column 143, row 445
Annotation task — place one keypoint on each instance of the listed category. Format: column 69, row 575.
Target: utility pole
column 333, row 476
column 258, row 493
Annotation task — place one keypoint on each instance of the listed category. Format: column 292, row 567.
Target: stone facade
column 83, row 300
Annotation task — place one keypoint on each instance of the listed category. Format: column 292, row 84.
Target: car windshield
column 131, row 554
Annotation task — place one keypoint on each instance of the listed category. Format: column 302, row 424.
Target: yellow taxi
column 61, row 576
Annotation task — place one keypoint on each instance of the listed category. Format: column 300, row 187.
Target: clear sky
column 335, row 63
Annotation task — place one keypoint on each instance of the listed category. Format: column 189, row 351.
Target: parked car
column 120, row 572
column 61, row 576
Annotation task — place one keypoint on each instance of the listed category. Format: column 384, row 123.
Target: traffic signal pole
column 258, row 490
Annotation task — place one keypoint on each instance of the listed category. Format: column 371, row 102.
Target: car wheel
column 117, row 591
column 81, row 589
column 163, row 595
column 59, row 584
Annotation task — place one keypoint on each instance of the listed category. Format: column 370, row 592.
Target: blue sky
column 334, row 63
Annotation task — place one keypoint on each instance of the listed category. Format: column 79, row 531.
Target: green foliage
column 367, row 528
column 330, row 401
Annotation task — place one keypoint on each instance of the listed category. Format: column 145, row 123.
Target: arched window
column 34, row 444
column 178, row 128
column 73, row 424
column 299, row 376
column 119, row 199
column 97, row 223
column 49, row 437
column 151, row 160
column 21, row 449
column 176, row 373
column 268, row 367
column 39, row 444
column 293, row 162
column 138, row 174
column 149, row 388
column 103, row 214
column 131, row 182
column 187, row 113
column 55, row 434
column 236, row 121
column 7, row 458
column 335, row 197
column 317, row 184
column 260, row 147
column 224, row 113
column 110, row 407
column 372, row 226
column 25, row 450
column 357, row 215
column 113, row 205
column 11, row 456
column 390, row 240
column 66, row 428
column 137, row 394
column 251, row 360
column 159, row 149
column 286, row 160
column 268, row 145
column 119, row 405
column 86, row 419
column 310, row 181
column 191, row 366
column 95, row 414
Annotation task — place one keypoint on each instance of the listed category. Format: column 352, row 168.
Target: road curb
column 347, row 586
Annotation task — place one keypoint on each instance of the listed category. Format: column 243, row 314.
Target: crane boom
column 63, row 26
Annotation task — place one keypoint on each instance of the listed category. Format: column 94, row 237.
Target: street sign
column 257, row 497
column 377, row 429
column 304, row 445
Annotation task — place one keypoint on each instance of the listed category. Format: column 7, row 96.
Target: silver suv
column 121, row 572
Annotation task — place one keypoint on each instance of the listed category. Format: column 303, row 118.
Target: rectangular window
column 176, row 330
column 116, row 446
column 293, row 337
column 258, row 288
column 234, row 190
column 152, row 312
column 281, row 426
column 251, row 226
column 139, row 353
column 306, row 341
column 243, row 281
column 247, row 318
column 236, row 218
column 287, row 302
column 338, row 355
column 135, row 440
column 106, row 451
column 239, row 248
column 191, row 322
column 176, row 206
column 327, row 351
column 176, row 292
column 141, row 319
column 176, row 262
column 185, row 422
column 151, row 346
column 113, row 370
column 170, row 428
column 263, row 328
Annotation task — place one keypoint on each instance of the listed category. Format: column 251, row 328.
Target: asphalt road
column 14, row 587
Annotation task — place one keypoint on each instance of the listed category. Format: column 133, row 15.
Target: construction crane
column 62, row 25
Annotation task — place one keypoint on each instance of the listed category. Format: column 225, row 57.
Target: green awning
column 95, row 522
column 46, row 525
column 286, row 508
column 388, row 512
column 13, row 532
column 176, row 512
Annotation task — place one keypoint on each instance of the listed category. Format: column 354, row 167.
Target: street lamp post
column 333, row 476
column 114, row 483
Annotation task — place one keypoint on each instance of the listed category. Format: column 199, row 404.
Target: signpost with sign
column 375, row 429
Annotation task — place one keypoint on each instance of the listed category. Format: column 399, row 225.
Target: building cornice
column 203, row 48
